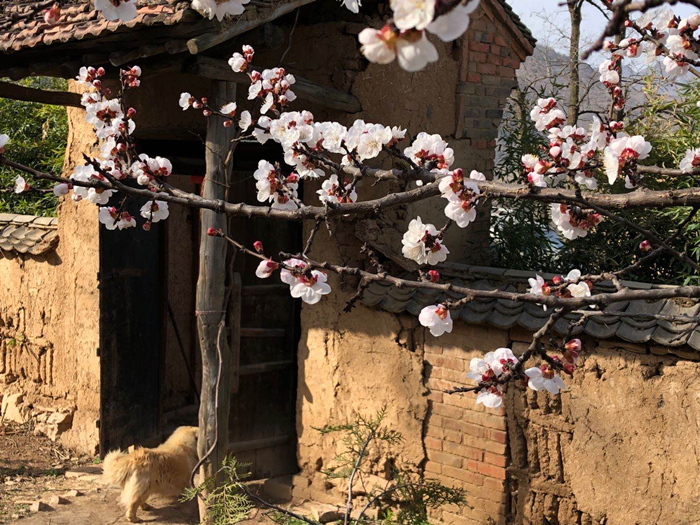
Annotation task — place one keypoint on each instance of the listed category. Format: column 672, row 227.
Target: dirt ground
column 33, row 469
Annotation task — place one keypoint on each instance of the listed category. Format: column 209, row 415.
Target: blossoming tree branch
column 575, row 174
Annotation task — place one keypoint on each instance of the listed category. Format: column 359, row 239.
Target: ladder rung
column 263, row 332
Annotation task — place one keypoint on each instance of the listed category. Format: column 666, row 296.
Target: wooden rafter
column 56, row 98
column 208, row 40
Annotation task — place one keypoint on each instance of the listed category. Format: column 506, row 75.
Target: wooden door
column 263, row 408
column 131, row 315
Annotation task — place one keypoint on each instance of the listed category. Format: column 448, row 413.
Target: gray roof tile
column 506, row 314
column 27, row 234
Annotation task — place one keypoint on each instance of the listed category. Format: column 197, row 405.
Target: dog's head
column 186, row 437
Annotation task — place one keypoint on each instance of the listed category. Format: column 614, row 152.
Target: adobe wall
column 358, row 362
column 49, row 319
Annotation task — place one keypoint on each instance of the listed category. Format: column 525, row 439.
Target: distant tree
column 38, row 133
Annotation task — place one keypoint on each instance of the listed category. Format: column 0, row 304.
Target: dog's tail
column 117, row 468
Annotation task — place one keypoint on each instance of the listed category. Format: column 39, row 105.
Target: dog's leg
column 135, row 494
column 146, row 506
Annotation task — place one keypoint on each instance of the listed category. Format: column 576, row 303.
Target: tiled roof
column 22, row 25
column 27, row 234
column 518, row 22
column 506, row 314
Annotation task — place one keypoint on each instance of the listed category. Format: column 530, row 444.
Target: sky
column 532, row 11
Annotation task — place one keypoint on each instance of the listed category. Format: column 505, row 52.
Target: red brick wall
column 465, row 444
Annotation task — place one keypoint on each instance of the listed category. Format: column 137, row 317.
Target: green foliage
column 357, row 437
column 520, row 236
column 406, row 500
column 38, row 135
column 524, row 238
column 227, row 503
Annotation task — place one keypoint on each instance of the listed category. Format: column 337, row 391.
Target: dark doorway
column 131, row 327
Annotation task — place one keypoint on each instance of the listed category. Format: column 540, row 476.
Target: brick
column 490, row 446
column 449, row 517
column 499, row 436
column 435, row 397
column 432, row 466
column 490, row 495
column 451, row 435
column 432, row 443
column 474, row 77
column 496, row 485
column 495, row 50
column 486, row 69
column 480, row 58
column 463, row 451
column 500, row 41
column 491, row 471
column 449, row 411
column 445, row 459
column 453, row 363
column 478, row 46
column 465, row 475
column 495, row 459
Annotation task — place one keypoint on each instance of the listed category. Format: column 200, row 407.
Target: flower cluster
column 308, row 285
column 430, row 152
column 621, row 157
column 272, row 86
column 421, row 243
column 572, row 221
column 569, row 286
column 273, row 187
column 461, row 194
column 489, row 369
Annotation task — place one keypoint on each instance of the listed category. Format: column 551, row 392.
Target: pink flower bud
column 131, row 113
column 258, row 245
column 97, row 83
column 228, row 123
column 121, row 147
column 557, row 279
column 212, row 232
column 645, row 246
column 555, row 151
column 433, row 276
column 147, row 226
column 197, row 104
column 100, row 71
column 205, row 100
column 574, row 345
column 207, row 112
column 52, row 16
column 292, row 178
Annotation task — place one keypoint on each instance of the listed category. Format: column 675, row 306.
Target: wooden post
column 212, row 296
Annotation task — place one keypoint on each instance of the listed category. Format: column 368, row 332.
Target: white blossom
column 621, row 151
column 21, row 185
column 219, row 8
column 155, row 211
column 238, row 63
column 412, row 14
column 421, row 245
column 537, row 285
column 548, row 380
column 452, row 25
column 4, row 139
column 245, row 121
column 437, row 319
column 430, row 149
column 691, row 160
column 310, row 286
column 186, row 100
column 112, row 10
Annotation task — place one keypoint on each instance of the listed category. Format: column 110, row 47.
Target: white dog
column 164, row 470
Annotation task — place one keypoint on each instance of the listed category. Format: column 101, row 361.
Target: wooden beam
column 55, row 98
column 218, row 69
column 256, row 18
column 119, row 58
column 212, row 298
